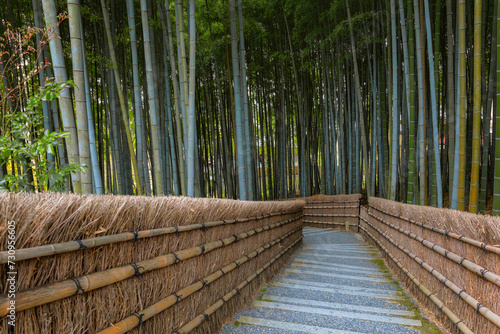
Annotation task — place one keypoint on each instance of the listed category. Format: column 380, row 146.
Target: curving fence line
column 112, row 264
column 448, row 260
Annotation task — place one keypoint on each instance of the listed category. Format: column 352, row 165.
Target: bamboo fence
column 139, row 250
column 112, row 263
column 454, row 254
column 332, row 211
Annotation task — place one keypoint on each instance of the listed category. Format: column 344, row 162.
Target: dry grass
column 483, row 228
column 51, row 218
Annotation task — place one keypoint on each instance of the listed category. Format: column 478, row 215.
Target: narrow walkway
column 333, row 284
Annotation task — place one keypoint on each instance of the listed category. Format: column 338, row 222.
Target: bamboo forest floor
column 335, row 283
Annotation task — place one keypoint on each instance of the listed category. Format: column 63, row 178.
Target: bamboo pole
column 331, row 207
column 456, row 236
column 467, row 264
column 328, row 215
column 325, row 223
column 132, row 321
column 54, row 291
column 335, row 202
column 214, row 307
column 69, row 246
column 471, row 301
column 429, row 294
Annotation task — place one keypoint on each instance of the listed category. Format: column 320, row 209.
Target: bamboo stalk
column 69, row 246
column 132, row 321
column 214, row 307
column 471, row 301
column 51, row 292
column 429, row 294
column 456, row 236
column 467, row 264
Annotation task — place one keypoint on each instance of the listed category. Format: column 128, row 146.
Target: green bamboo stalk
column 65, row 103
column 435, row 132
column 476, row 118
column 120, row 96
column 496, row 186
column 153, row 108
column 191, row 110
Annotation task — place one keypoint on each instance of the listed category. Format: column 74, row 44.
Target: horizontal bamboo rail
column 429, row 294
column 471, row 301
column 467, row 264
column 332, row 207
column 335, row 202
column 476, row 243
column 132, row 321
column 218, row 304
column 324, row 223
column 328, row 215
column 69, row 246
column 51, row 292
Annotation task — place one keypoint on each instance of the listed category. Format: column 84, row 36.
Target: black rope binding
column 478, row 307
column 134, row 239
column 177, row 230
column 177, row 297
column 78, row 286
column 177, row 260
column 82, row 246
column 139, row 316
column 235, row 237
column 222, row 271
column 456, row 323
column 223, row 243
column 462, row 262
column 223, row 300
column 483, row 272
column 442, row 307
column 136, row 269
column 203, row 227
column 205, row 316
column 483, row 246
column 202, row 247
column 204, row 284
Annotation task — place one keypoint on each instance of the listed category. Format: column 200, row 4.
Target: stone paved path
column 333, row 284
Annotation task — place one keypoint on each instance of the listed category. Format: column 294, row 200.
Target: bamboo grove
column 261, row 99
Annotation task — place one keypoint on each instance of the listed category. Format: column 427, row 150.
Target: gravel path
column 333, row 284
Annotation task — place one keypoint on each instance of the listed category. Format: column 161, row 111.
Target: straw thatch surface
column 482, row 228
column 52, row 218
column 333, row 198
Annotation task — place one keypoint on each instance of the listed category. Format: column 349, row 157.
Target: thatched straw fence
column 146, row 264
column 338, row 211
column 449, row 260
